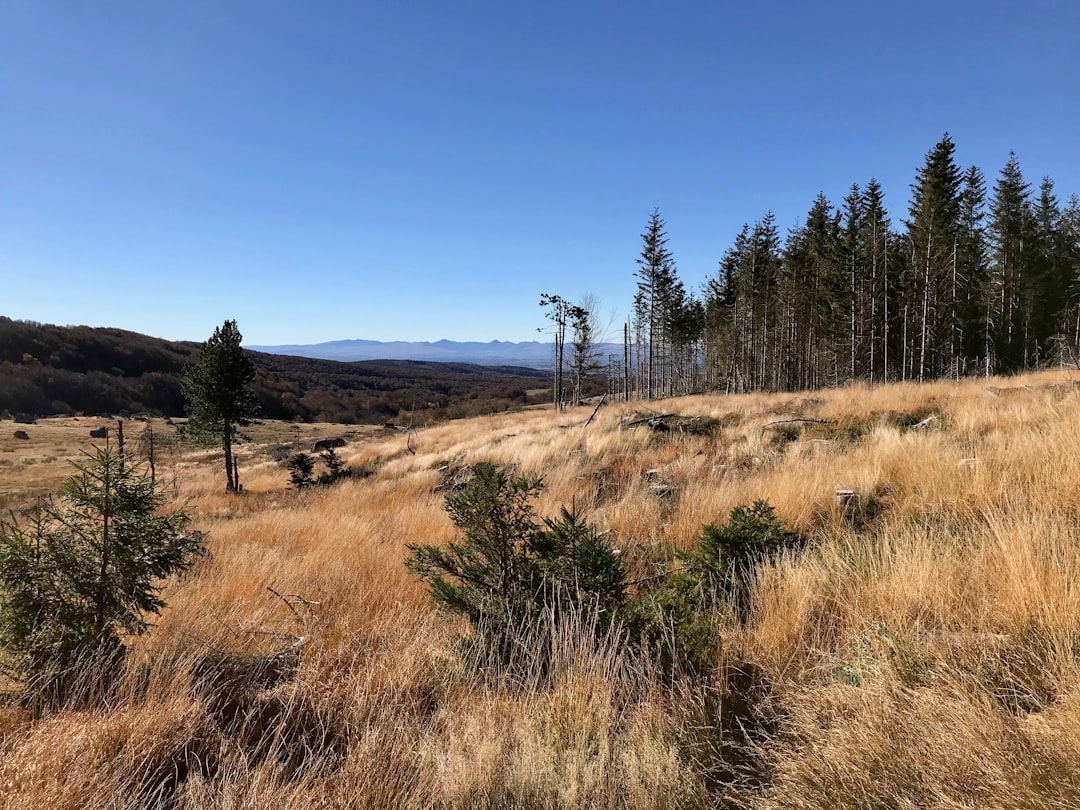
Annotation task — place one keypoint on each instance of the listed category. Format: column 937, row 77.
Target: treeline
column 973, row 281
column 67, row 370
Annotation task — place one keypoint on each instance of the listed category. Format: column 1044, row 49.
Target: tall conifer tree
column 1011, row 236
column 218, row 393
column 933, row 231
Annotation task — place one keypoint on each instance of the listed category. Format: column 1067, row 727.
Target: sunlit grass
column 923, row 652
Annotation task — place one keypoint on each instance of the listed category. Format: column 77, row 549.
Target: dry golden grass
column 925, row 652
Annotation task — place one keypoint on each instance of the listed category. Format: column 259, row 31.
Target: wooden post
column 150, row 451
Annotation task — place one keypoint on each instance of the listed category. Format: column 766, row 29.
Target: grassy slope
column 923, row 654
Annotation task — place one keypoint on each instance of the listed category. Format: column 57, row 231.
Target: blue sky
column 417, row 171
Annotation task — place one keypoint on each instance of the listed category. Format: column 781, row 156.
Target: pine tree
column 218, row 393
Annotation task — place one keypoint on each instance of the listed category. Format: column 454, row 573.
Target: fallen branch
column 649, row 419
column 925, row 423
column 789, row 421
column 408, row 431
column 597, row 408
column 296, row 599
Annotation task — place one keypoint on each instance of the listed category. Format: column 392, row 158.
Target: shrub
column 577, row 566
column 335, row 468
column 509, row 575
column 727, row 559
column 301, row 466
column 679, row 619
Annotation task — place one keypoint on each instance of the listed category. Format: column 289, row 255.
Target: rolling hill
column 47, row 369
column 533, row 354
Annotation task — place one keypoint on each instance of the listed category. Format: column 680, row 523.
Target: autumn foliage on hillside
column 55, row 370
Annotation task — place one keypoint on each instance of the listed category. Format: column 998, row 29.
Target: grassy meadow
column 924, row 652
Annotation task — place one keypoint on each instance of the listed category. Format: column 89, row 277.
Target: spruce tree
column 1069, row 239
column 933, row 232
column 761, row 277
column 721, row 317
column 656, row 275
column 1011, row 236
column 1051, row 268
column 971, row 261
column 856, row 290
column 875, row 249
column 80, row 572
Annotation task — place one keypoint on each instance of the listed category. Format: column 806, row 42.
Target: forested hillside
column 975, row 280
column 47, row 369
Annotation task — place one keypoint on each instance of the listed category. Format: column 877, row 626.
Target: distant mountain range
column 531, row 354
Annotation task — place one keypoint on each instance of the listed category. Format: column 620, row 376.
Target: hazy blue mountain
column 533, row 353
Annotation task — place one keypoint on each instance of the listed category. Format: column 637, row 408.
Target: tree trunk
column 103, row 569
column 226, row 441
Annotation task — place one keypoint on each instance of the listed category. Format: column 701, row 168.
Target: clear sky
column 402, row 170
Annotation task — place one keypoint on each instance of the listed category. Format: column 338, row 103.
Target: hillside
column 923, row 651
column 47, row 369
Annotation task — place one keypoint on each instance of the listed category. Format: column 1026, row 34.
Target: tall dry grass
column 922, row 653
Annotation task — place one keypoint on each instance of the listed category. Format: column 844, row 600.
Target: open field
column 36, row 466
column 925, row 652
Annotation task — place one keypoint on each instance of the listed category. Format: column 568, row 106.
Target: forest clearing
column 922, row 650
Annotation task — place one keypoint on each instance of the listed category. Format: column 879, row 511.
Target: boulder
column 99, row 433
column 21, row 434
column 326, row 444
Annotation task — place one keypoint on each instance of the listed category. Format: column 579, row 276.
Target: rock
column 21, row 434
column 99, row 433
column 326, row 444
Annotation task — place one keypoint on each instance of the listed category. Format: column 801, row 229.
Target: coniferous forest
column 977, row 277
